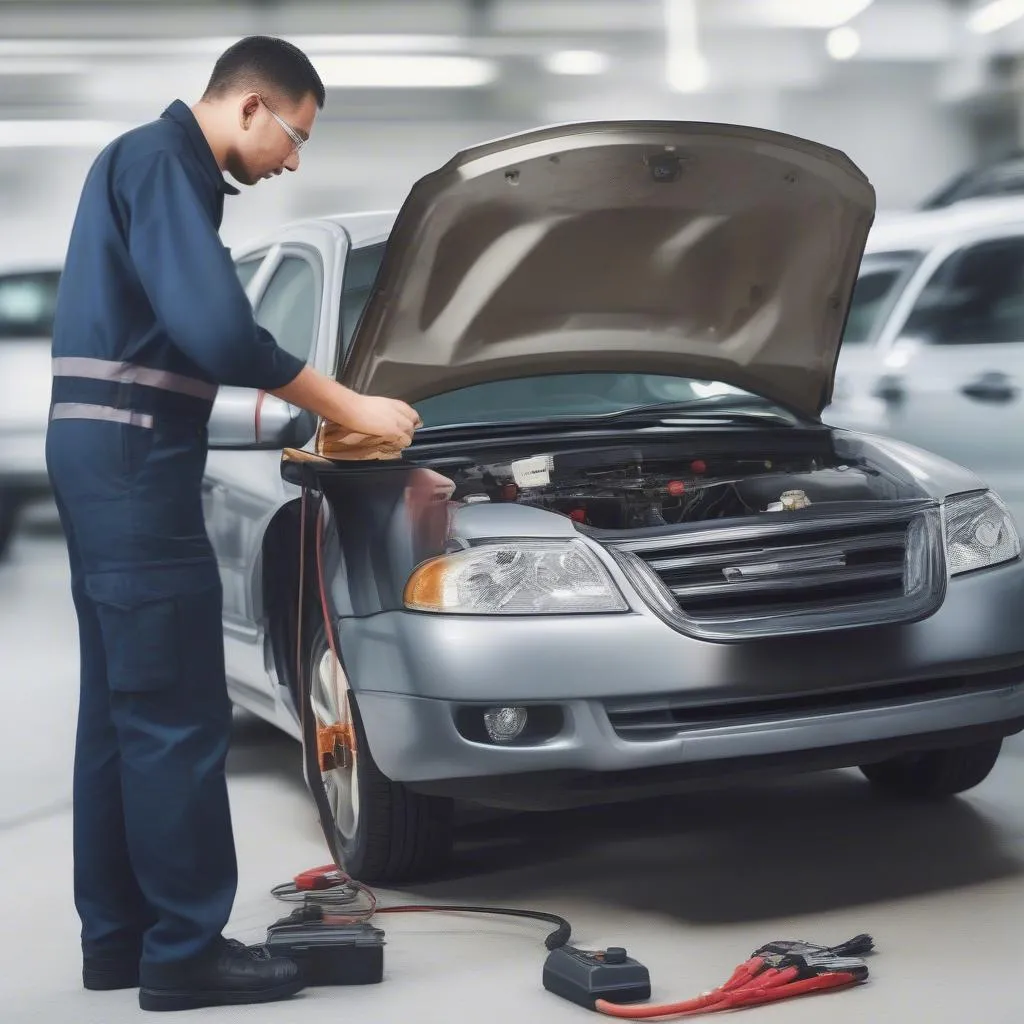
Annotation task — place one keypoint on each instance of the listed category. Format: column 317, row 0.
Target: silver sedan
column 624, row 555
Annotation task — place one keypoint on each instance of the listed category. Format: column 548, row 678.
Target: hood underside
column 696, row 250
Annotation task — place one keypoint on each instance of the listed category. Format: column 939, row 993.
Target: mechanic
column 151, row 318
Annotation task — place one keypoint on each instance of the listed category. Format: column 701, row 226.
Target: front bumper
column 960, row 668
column 415, row 739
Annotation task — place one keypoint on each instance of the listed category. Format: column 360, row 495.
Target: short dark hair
column 260, row 62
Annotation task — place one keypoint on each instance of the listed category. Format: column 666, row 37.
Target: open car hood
column 697, row 250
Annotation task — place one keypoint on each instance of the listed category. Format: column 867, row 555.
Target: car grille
column 793, row 572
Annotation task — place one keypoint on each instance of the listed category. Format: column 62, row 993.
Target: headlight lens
column 980, row 532
column 515, row 578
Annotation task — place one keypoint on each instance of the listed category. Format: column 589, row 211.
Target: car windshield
column 1003, row 178
column 27, row 303
column 882, row 277
column 582, row 394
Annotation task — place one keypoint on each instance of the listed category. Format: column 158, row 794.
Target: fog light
column 504, row 724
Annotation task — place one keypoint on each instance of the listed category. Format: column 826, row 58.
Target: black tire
column 10, row 506
column 935, row 774
column 400, row 836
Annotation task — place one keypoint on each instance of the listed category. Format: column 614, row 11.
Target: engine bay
column 619, row 490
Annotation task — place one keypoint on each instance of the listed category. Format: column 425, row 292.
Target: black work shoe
column 109, row 973
column 229, row 975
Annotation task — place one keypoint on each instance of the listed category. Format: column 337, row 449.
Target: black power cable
column 559, row 937
column 343, row 899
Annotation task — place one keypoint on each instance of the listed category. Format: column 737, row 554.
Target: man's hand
column 385, row 418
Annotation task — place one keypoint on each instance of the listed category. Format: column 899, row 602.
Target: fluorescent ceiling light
column 995, row 15
column 403, row 72
column 843, row 43
column 691, row 75
column 811, row 13
column 576, row 62
column 686, row 68
column 216, row 45
column 59, row 134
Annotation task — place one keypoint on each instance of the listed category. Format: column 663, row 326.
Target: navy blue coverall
column 150, row 319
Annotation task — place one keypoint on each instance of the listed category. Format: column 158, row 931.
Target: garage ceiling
column 81, row 59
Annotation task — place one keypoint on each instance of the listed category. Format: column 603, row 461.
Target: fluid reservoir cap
column 676, row 488
column 699, row 466
column 615, row 955
column 794, row 499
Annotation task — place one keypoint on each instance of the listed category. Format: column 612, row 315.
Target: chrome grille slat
column 871, row 542
column 865, row 574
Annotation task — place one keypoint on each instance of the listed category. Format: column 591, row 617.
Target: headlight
column 515, row 578
column 979, row 532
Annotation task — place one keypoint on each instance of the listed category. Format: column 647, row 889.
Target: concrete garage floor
column 690, row 886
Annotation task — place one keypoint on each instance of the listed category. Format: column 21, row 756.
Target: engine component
column 630, row 489
column 789, row 501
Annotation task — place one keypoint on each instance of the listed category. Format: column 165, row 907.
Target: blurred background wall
column 913, row 90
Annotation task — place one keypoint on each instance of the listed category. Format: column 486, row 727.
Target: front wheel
column 935, row 774
column 377, row 830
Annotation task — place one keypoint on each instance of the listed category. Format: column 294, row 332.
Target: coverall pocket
column 142, row 636
column 136, row 445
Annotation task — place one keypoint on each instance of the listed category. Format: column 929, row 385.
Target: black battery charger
column 328, row 953
column 584, row 976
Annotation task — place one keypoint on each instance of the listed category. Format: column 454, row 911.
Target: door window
column 290, row 305
column 976, row 297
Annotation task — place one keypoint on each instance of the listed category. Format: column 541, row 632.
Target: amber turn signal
column 425, row 587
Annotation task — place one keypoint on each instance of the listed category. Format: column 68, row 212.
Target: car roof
column 364, row 228
column 923, row 229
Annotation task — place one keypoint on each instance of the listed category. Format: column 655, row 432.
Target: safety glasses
column 297, row 140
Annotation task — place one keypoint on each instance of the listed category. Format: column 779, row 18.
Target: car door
column 953, row 376
column 214, row 488
column 291, row 292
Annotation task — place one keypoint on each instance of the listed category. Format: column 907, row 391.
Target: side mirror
column 243, row 419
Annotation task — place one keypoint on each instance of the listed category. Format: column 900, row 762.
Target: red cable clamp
column 325, row 877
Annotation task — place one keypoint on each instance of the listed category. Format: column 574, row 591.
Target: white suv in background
column 934, row 347
column 27, row 301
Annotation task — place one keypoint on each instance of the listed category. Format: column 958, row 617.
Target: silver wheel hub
column 336, row 743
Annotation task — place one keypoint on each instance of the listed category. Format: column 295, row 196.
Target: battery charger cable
column 775, row 971
column 327, row 893
column 330, row 895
